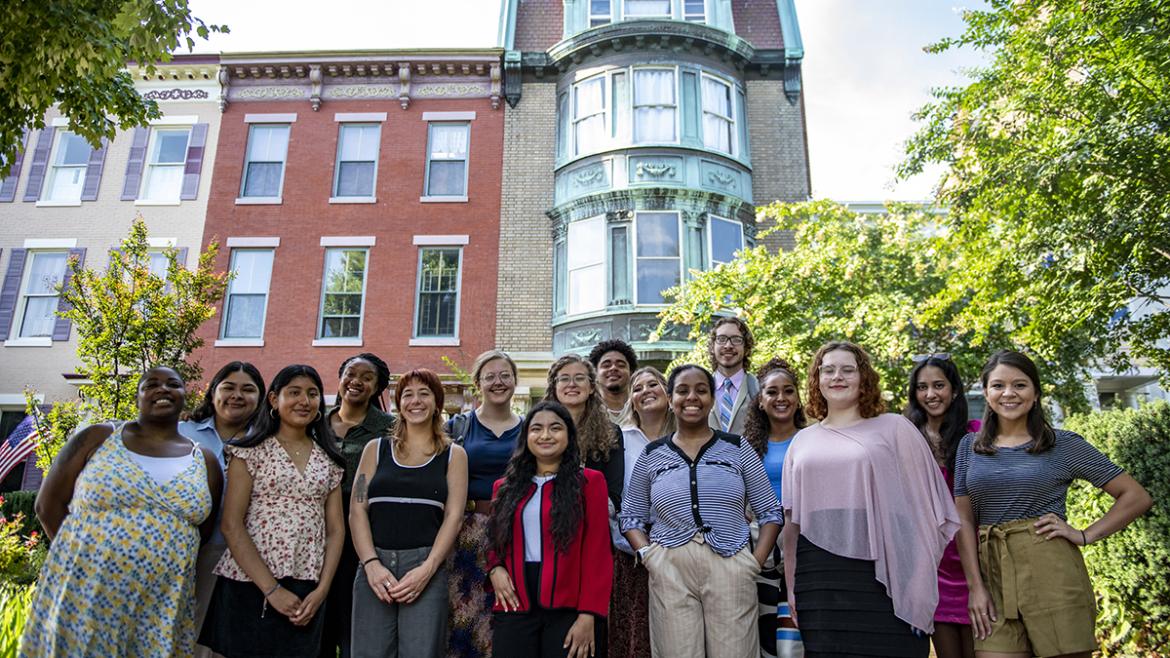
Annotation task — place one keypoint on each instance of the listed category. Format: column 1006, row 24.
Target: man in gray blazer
column 730, row 348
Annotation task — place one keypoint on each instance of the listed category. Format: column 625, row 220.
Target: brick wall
column 539, row 24
column 779, row 149
column 525, row 272
column 758, row 21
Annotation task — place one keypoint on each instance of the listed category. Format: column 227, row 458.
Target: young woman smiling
column 549, row 560
column 690, row 489
column 868, row 515
column 647, row 415
column 1011, row 481
column 408, row 501
column 938, row 408
column 283, row 524
column 773, row 417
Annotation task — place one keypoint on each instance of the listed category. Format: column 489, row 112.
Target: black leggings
column 540, row 632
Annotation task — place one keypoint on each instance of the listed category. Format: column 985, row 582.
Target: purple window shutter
column 135, row 163
column 194, row 161
column 10, row 292
column 93, row 172
column 8, row 186
column 61, row 328
column 40, row 161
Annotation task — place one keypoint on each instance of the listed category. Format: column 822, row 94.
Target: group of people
column 709, row 513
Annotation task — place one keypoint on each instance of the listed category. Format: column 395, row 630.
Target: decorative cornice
column 651, row 35
column 652, row 198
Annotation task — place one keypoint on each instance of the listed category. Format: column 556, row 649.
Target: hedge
column 1131, row 569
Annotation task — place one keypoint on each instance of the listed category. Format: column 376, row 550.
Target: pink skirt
column 952, row 589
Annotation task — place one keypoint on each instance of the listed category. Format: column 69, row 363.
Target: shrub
column 1130, row 570
column 21, row 555
column 21, row 503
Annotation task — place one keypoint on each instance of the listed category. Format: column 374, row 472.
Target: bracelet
column 269, row 592
column 368, row 560
column 264, row 606
column 1084, row 539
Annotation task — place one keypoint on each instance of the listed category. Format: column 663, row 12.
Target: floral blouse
column 286, row 516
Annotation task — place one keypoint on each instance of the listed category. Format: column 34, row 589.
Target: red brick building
column 357, row 198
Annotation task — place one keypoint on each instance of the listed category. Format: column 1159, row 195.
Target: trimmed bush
column 1131, row 569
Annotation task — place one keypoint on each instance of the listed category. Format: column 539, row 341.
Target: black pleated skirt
column 843, row 611
column 239, row 626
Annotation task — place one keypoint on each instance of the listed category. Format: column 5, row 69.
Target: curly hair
column 870, row 403
column 748, row 341
column 567, row 496
column 1043, row 436
column 614, row 345
column 595, row 430
column 381, row 370
column 954, row 424
column 757, row 426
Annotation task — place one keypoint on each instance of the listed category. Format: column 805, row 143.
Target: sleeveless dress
column 119, row 579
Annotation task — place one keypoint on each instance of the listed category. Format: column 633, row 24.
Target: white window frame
column 466, row 160
column 633, row 73
column 417, row 340
column 22, row 302
column 252, row 127
column 254, row 341
column 626, row 15
column 149, row 166
column 711, row 219
column 733, row 129
column 597, row 20
column 571, row 304
column 693, row 18
column 55, row 169
column 637, row 258
column 606, row 106
column 361, row 307
column 337, row 197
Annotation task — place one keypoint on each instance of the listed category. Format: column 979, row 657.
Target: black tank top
column 406, row 502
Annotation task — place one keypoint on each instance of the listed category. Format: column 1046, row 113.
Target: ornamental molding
column 667, row 36
column 589, row 176
column 721, row 178
column 655, row 170
column 176, row 94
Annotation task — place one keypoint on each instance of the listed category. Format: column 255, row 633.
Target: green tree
column 128, row 319
column 879, row 280
column 74, row 53
column 1058, row 175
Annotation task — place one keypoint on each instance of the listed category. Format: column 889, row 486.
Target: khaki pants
column 702, row 605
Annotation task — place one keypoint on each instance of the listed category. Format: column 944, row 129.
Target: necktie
column 726, row 402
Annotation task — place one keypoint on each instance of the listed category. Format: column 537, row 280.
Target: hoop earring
column 318, row 416
column 272, row 414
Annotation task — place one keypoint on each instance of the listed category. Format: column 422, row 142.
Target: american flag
column 18, row 446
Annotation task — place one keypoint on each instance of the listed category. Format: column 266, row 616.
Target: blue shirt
column 774, row 463
column 204, row 434
column 707, row 495
column 487, row 456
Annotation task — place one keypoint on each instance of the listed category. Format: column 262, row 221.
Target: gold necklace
column 285, row 445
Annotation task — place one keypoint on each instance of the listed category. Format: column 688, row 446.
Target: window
column 447, row 159
column 264, row 166
column 248, row 293
column 648, row 8
column 159, row 264
column 586, row 265
column 438, row 292
column 694, row 11
column 39, row 297
column 357, row 160
column 589, row 114
column 718, row 124
column 654, row 105
column 658, row 257
column 165, row 164
column 67, row 171
column 600, row 12
column 724, row 238
column 343, row 293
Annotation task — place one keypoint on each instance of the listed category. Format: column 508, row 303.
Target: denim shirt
column 204, row 434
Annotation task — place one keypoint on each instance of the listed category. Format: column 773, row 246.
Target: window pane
column 586, row 242
column 73, row 150
column 65, row 183
column 587, row 289
column 654, row 101
column 245, row 316
column 590, row 97
column 39, row 317
column 693, row 10
column 46, row 273
column 654, row 276
column 359, row 143
column 658, row 235
column 159, row 264
column 170, row 147
column 449, row 142
column 355, row 179
column 253, row 269
column 447, row 178
column 163, row 183
column 590, row 133
column 342, row 303
column 726, row 239
column 648, row 7
column 619, row 259
column 438, row 298
column 267, row 143
column 263, row 179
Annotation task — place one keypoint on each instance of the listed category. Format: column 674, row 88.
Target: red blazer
column 580, row 578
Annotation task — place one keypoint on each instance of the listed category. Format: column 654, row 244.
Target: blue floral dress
column 119, row 579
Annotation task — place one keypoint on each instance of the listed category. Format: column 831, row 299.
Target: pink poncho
column 873, row 491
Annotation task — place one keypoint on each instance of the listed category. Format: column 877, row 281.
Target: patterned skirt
column 471, row 604
column 629, row 616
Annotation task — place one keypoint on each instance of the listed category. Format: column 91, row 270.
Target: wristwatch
column 640, row 554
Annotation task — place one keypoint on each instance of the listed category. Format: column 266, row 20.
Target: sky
column 865, row 72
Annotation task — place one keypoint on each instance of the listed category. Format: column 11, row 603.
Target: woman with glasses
column 868, row 517
column 488, row 435
column 938, row 408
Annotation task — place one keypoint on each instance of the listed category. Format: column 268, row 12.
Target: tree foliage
column 74, row 53
column 1058, row 181
column 129, row 319
column 879, row 280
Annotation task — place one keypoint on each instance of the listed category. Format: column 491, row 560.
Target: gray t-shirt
column 1014, row 484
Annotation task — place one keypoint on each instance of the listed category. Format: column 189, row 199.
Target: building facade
column 356, row 197
column 649, row 131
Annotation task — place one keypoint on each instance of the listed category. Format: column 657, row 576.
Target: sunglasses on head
column 941, row 356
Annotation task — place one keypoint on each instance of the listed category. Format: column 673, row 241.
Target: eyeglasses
column 832, row 371
column 579, row 380
column 734, row 340
column 492, row 378
column 941, row 356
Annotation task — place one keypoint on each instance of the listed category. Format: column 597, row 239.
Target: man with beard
column 614, row 361
column 730, row 347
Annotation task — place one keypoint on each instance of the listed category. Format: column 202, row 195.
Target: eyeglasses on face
column 492, row 378
column 833, row 371
column 941, row 356
column 734, row 340
column 579, row 380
